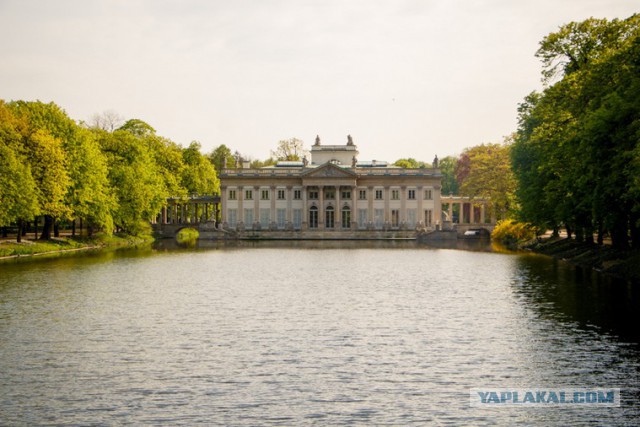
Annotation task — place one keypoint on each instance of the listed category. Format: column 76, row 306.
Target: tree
column 199, row 175
column 289, row 149
column 139, row 188
column 221, row 158
column 575, row 150
column 410, row 163
column 484, row 171
column 108, row 121
column 137, row 127
column 447, row 167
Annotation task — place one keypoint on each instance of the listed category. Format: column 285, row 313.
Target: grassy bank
column 10, row 248
column 604, row 258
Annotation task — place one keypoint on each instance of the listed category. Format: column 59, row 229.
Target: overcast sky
column 406, row 78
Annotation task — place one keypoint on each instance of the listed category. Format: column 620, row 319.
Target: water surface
column 309, row 333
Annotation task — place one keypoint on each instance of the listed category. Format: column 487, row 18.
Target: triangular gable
column 329, row 170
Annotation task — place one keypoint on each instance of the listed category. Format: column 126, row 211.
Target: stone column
column 289, row 196
column 370, row 197
column 482, row 213
column 256, row 204
column 403, row 204
column 223, row 204
column 272, row 215
column 354, row 211
column 437, row 207
column 164, row 215
column 337, row 216
column 387, row 210
column 241, row 204
column 321, row 212
column 305, row 210
column 451, row 212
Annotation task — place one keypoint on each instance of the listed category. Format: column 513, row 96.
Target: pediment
column 329, row 170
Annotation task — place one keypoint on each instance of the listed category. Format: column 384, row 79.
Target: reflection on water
column 289, row 333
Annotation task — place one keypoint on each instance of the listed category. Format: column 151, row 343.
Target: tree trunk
column 600, row 233
column 56, row 228
column 46, row 228
column 20, row 227
column 24, row 229
column 35, row 228
column 4, row 231
column 634, row 218
column 73, row 228
column 569, row 231
column 80, row 226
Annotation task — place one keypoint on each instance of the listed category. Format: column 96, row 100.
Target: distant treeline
column 54, row 168
column 576, row 155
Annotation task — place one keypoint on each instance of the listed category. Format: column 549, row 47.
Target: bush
column 510, row 232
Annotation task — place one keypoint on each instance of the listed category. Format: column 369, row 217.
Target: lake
column 299, row 333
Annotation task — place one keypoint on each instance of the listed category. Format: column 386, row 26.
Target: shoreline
column 12, row 250
column 604, row 259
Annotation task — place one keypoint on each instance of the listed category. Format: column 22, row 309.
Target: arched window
column 313, row 217
column 346, row 217
column 329, row 217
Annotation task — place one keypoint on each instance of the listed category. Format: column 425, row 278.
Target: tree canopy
column 576, row 152
column 53, row 167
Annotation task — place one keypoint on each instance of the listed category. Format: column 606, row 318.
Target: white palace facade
column 333, row 192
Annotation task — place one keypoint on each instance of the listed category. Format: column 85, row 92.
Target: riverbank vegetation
column 576, row 154
column 105, row 177
column 27, row 247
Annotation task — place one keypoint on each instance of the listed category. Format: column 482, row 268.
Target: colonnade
column 470, row 211
column 193, row 210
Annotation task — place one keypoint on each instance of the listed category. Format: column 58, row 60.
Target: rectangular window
column 330, row 194
column 280, row 194
column 297, row 219
column 297, row 194
column 411, row 195
column 378, row 218
column 378, row 194
column 395, row 218
column 265, row 217
column 362, row 218
column 248, row 194
column 248, row 218
column 395, row 194
column 313, row 194
column 264, row 194
column 428, row 217
column 281, row 217
column 232, row 194
column 362, row 194
column 232, row 217
column 346, row 218
column 428, row 195
column 345, row 194
column 411, row 218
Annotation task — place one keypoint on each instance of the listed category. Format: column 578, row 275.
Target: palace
column 334, row 192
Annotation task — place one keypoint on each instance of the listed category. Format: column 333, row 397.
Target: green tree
column 447, row 166
column 411, row 163
column 221, row 158
column 484, row 171
column 577, row 141
column 139, row 188
column 199, row 176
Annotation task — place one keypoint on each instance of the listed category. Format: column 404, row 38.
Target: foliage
column 51, row 166
column 484, row 171
column 575, row 154
column 222, row 158
column 447, row 166
column 199, row 176
column 289, row 149
column 411, row 163
column 510, row 232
